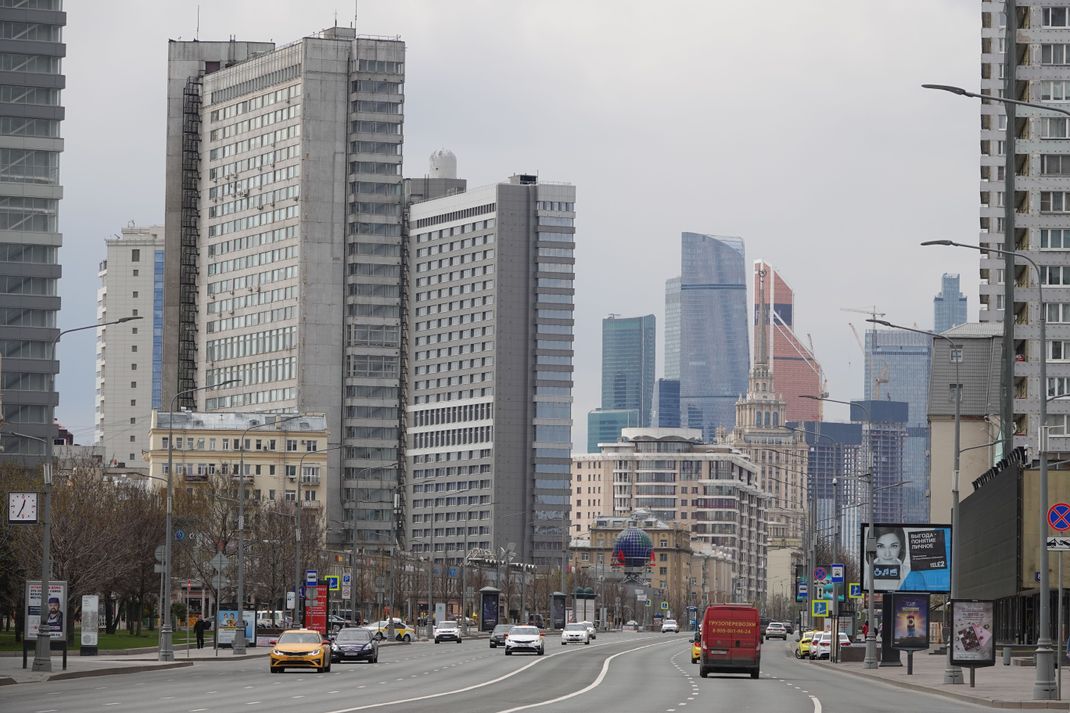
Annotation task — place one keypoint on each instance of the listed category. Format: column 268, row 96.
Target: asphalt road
column 625, row 673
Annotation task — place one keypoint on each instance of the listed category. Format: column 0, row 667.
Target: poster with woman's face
column 907, row 558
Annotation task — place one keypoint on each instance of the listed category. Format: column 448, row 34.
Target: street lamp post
column 1044, row 687
column 42, row 657
column 870, row 545
column 237, row 647
column 952, row 673
column 166, row 648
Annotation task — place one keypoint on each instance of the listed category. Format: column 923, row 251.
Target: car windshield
column 447, row 625
column 502, row 628
column 524, row 631
column 575, row 627
column 300, row 637
column 347, row 636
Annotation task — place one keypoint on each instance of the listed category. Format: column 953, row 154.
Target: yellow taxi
column 381, row 630
column 301, row 648
column 696, row 647
column 803, row 649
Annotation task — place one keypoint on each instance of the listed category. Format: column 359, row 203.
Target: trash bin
column 1007, row 655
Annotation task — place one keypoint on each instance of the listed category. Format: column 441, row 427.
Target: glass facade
column 32, row 49
column 714, row 331
column 628, row 347
column 666, row 410
column 672, row 328
column 949, row 306
column 157, row 327
column 604, row 425
column 897, row 369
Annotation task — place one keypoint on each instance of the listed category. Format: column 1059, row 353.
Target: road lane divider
column 431, row 696
column 817, row 704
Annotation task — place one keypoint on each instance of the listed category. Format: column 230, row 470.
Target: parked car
column 577, row 633
column 300, row 648
column 802, row 649
column 670, row 625
column 525, row 638
column 696, row 647
column 447, row 631
column 776, row 630
column 336, row 623
column 821, row 644
column 630, row 625
column 731, row 640
column 354, row 644
column 499, row 635
column 591, row 629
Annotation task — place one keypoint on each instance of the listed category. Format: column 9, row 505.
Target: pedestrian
column 198, row 629
column 865, row 629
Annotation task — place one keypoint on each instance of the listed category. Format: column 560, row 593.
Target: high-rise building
column 671, row 474
column 1037, row 71
column 129, row 356
column 897, row 369
column 885, row 432
column 714, row 344
column 490, row 308
column 283, row 281
column 835, row 459
column 793, row 366
column 949, row 305
column 31, row 42
column 666, row 411
column 628, row 347
column 672, row 329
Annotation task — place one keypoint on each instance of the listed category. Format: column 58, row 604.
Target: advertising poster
column 316, row 600
column 557, row 611
column 972, row 642
column 488, row 611
column 55, row 618
column 910, row 619
column 909, row 558
column 227, row 626
column 90, row 619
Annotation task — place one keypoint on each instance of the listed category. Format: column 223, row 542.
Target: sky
column 800, row 127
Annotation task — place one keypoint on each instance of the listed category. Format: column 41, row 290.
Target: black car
column 354, row 645
column 499, row 635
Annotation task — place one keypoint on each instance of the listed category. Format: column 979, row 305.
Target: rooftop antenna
column 356, row 4
column 197, row 34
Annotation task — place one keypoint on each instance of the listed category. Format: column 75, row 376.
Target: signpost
column 1059, row 519
column 854, row 590
column 819, row 608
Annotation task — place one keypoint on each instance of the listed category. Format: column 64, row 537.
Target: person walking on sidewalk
column 198, row 629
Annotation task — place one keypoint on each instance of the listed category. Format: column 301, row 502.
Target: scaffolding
column 189, row 239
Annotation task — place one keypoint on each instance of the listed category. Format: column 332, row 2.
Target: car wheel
column 436, row 641
column 493, row 645
column 703, row 672
column 275, row 669
column 754, row 673
column 378, row 636
column 407, row 638
column 541, row 651
column 458, row 641
column 508, row 652
column 587, row 642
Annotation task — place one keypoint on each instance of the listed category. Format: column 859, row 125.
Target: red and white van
column 731, row 640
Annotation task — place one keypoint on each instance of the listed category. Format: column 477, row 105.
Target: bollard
column 1006, row 655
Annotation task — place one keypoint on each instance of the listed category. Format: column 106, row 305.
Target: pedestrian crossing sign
column 855, row 590
column 333, row 583
column 819, row 607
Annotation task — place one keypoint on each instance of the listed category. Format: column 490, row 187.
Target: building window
column 1055, row 17
column 1055, row 90
column 1059, row 350
column 1055, row 238
column 1055, row 128
column 135, row 255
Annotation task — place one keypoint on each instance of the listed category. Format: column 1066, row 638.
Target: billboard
column 910, row 621
column 227, row 626
column 972, row 641
column 55, row 610
column 909, row 558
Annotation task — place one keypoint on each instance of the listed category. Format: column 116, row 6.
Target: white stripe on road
column 817, row 704
column 478, row 685
column 594, row 684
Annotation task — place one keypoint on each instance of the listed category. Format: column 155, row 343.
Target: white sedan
column 577, row 633
column 524, row 638
column 670, row 625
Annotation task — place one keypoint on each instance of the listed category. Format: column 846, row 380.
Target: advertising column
column 90, row 623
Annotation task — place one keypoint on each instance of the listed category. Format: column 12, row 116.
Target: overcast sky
column 800, row 127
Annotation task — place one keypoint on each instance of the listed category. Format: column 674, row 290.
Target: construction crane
column 882, row 377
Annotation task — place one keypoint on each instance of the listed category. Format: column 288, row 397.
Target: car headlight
column 276, row 652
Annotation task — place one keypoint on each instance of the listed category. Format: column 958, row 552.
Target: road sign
column 640, row 596
column 332, row 582
column 837, row 573
column 347, row 591
column 804, row 588
column 647, row 602
column 855, row 590
column 664, row 605
column 451, row 572
column 161, row 552
column 312, row 576
column 820, row 574
column 819, row 607
column 347, row 579
column 180, row 535
column 219, row 562
column 1059, row 516
column 1058, row 543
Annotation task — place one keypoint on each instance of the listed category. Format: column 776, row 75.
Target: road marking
column 252, row 703
column 112, row 704
column 817, row 704
column 332, row 691
column 197, row 710
column 490, row 682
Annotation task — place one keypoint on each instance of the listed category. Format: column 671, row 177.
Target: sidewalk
column 998, row 686
column 138, row 660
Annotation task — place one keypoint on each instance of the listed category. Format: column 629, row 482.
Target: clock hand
column 21, row 509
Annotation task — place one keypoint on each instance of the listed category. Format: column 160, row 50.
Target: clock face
column 22, row 507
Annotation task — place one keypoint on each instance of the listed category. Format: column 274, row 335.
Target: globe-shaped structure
column 633, row 549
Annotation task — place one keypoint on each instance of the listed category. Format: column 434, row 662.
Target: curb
column 8, row 681
column 965, row 698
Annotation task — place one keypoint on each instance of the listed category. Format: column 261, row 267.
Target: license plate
column 718, row 651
